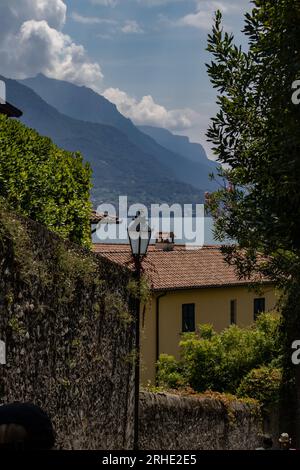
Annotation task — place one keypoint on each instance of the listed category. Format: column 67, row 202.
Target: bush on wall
column 44, row 182
column 219, row 362
column 263, row 384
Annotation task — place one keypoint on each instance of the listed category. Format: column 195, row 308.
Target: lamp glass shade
column 139, row 234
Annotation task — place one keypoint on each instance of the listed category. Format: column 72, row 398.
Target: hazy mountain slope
column 177, row 143
column 120, row 167
column 84, row 104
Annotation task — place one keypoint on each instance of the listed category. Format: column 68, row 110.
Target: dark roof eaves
column 210, row 286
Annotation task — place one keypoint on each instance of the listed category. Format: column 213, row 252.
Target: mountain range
column 149, row 165
column 178, row 144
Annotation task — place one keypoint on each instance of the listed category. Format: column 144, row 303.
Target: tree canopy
column 256, row 134
column 256, row 137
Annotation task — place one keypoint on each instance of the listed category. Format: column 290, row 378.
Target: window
column 188, row 318
column 233, row 312
column 259, row 306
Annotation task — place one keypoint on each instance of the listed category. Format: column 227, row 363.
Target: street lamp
column 139, row 234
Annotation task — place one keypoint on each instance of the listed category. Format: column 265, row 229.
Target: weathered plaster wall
column 65, row 318
column 195, row 423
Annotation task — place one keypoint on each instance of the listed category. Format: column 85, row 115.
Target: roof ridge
column 184, row 249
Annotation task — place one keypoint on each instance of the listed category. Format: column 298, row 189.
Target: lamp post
column 139, row 234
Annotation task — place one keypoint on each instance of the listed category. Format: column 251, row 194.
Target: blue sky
column 147, row 56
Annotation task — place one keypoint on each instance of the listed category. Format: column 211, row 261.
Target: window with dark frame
column 233, row 312
column 188, row 318
column 259, row 306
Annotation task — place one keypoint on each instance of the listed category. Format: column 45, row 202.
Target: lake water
column 203, row 233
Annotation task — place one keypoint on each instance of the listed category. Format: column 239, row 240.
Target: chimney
column 165, row 241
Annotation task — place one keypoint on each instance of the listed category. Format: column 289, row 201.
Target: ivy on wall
column 66, row 320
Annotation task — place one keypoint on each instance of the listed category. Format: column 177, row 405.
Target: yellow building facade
column 190, row 288
column 162, row 321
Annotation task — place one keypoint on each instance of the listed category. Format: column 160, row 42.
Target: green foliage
column 13, row 229
column 206, row 331
column 16, row 326
column 256, row 135
column 140, row 290
column 73, row 264
column 116, row 305
column 169, row 373
column 43, row 182
column 219, row 362
column 263, row 384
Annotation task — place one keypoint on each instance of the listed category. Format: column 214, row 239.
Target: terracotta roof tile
column 181, row 268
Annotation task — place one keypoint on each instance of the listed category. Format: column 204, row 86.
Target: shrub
column 169, row 374
column 218, row 362
column 43, row 182
column 263, row 384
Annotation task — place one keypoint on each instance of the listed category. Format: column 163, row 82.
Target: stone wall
column 65, row 319
column 173, row 422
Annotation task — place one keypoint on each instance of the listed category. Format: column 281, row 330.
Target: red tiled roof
column 181, row 268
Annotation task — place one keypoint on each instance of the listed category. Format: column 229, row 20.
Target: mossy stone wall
column 173, row 422
column 65, row 318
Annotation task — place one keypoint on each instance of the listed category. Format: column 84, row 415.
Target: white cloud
column 14, row 12
column 32, row 41
column 202, row 18
column 90, row 19
column 131, row 27
column 153, row 3
column 58, row 56
column 146, row 111
column 106, row 3
column 148, row 3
